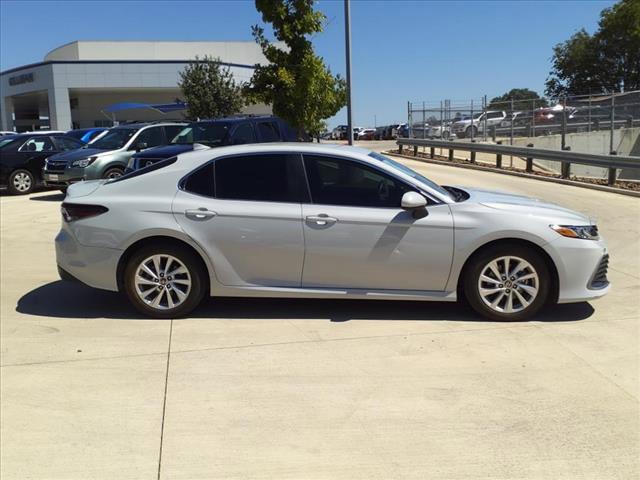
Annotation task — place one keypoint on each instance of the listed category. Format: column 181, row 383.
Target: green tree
column 607, row 61
column 522, row 100
column 297, row 84
column 209, row 89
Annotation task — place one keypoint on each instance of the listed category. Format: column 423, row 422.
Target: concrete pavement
column 299, row 389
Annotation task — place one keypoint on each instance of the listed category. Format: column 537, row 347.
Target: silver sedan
column 296, row 220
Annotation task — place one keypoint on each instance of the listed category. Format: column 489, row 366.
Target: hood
column 78, row 154
column 526, row 206
column 165, row 151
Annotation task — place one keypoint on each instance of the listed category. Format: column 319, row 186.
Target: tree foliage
column 607, row 61
column 297, row 84
column 522, row 100
column 210, row 89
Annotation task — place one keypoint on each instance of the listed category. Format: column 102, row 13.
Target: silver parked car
column 293, row 220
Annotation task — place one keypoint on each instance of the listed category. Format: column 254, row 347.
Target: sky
column 401, row 50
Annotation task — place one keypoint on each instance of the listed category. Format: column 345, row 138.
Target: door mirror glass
column 413, row 201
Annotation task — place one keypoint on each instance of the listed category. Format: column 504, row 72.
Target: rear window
column 151, row 168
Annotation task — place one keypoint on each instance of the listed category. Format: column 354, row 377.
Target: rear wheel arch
column 506, row 242
column 163, row 240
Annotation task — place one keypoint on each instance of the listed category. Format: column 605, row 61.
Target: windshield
column 413, row 174
column 210, row 134
column 115, row 139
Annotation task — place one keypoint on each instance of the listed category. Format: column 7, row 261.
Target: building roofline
column 84, row 62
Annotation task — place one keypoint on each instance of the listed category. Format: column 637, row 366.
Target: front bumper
column 93, row 266
column 581, row 266
column 62, row 177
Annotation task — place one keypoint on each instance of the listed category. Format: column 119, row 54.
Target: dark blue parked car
column 217, row 133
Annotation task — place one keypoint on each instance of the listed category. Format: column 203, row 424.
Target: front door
column 250, row 224
column 357, row 236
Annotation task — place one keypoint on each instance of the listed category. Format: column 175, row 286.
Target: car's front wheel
column 21, row 182
column 507, row 283
column 164, row 281
column 115, row 172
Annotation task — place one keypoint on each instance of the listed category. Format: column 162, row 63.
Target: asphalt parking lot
column 310, row 389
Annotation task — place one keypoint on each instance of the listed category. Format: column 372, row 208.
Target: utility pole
column 347, row 40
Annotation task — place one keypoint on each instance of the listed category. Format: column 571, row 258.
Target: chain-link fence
column 518, row 121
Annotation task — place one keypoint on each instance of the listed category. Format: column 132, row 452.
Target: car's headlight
column 585, row 232
column 85, row 162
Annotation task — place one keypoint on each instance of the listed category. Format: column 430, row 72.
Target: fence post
column 451, row 154
column 473, row 157
column 400, row 148
column 529, row 161
column 612, row 119
column 415, row 151
column 611, row 180
column 493, row 133
column 499, row 157
column 564, row 123
column 565, row 167
column 533, row 118
column 433, row 152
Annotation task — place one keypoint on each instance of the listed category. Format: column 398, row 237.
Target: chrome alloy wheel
column 162, row 281
column 114, row 174
column 22, row 182
column 508, row 284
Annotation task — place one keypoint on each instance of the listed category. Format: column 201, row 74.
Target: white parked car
column 470, row 127
column 296, row 220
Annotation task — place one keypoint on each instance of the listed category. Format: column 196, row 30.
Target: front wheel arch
column 555, row 279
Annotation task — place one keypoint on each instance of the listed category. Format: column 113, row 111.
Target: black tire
column 21, row 182
column 476, row 266
column 471, row 132
column 461, row 134
column 113, row 172
column 196, row 274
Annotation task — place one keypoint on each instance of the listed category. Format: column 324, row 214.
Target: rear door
column 34, row 152
column 246, row 212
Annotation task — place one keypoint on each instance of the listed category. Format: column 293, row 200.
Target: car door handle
column 322, row 219
column 199, row 214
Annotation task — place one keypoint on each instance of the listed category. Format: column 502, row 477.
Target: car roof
column 148, row 124
column 240, row 118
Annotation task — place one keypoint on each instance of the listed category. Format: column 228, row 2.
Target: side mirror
column 413, row 201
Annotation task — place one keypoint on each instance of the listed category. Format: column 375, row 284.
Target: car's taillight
column 75, row 211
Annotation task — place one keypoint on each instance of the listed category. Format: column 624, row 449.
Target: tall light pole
column 347, row 35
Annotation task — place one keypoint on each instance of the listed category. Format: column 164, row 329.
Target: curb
column 561, row 181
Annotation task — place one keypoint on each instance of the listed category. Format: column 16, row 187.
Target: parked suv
column 107, row 157
column 22, row 157
column 217, row 133
column 471, row 126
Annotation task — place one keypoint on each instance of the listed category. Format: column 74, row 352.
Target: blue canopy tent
column 158, row 107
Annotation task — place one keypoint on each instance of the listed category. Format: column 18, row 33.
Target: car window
column 494, row 114
column 269, row 132
column 65, row 144
column 173, row 130
column 263, row 177
column 41, row 143
column 243, row 134
column 338, row 181
column 200, row 181
column 151, row 136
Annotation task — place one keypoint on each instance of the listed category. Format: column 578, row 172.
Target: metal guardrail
column 565, row 157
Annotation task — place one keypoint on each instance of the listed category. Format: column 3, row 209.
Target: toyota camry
column 296, row 220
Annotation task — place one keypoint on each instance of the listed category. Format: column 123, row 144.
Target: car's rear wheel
column 507, row 283
column 471, row 132
column 114, row 172
column 21, row 182
column 164, row 281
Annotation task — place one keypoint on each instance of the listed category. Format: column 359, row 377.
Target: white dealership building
column 75, row 83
